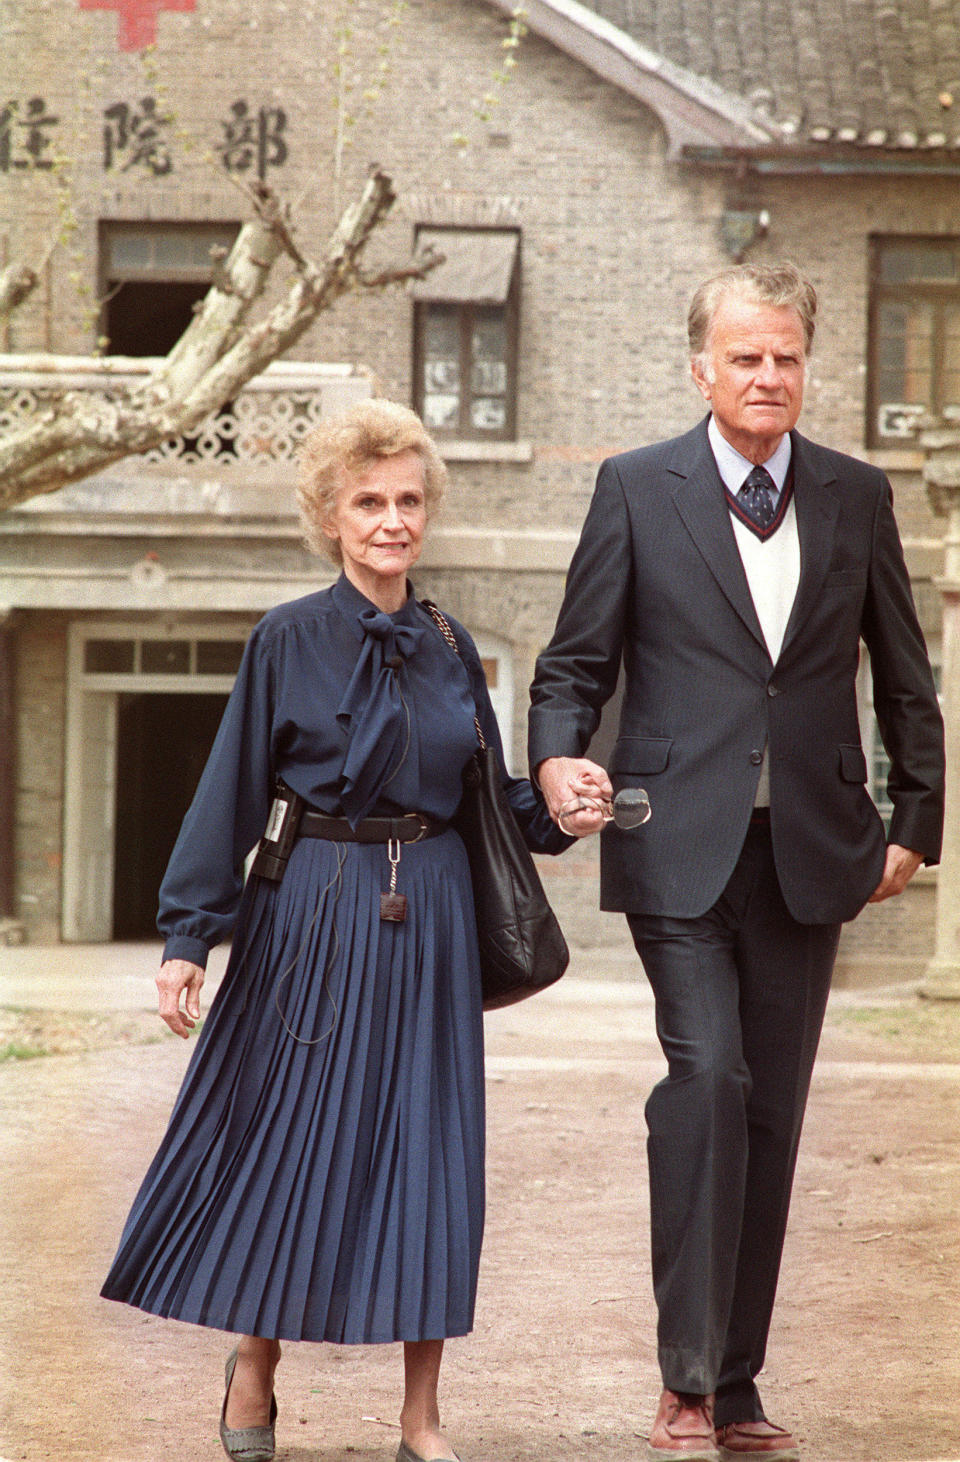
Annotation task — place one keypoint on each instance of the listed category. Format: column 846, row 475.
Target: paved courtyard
column 864, row 1359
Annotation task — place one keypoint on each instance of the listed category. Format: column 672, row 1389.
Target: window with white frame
column 151, row 277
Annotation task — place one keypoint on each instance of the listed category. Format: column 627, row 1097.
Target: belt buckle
column 424, row 826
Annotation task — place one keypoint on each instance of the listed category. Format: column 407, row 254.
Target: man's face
column 752, row 373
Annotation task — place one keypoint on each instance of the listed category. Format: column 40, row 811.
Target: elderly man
column 734, row 571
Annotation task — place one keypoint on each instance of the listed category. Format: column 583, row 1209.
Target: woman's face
column 379, row 516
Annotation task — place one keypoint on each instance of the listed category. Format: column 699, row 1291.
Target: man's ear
column 700, row 379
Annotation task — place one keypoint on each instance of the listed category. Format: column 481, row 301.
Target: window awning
column 477, row 269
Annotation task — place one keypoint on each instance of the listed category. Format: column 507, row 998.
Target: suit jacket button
column 773, row 690
column 756, row 757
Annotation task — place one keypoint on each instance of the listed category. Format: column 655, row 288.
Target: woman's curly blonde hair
column 347, row 445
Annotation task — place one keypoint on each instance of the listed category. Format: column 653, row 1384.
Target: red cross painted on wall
column 138, row 18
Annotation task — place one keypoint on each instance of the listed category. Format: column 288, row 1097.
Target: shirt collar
column 349, row 600
column 734, row 467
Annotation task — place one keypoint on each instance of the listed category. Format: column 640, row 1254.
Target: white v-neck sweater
column 772, row 567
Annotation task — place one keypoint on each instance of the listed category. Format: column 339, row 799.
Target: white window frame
column 89, row 804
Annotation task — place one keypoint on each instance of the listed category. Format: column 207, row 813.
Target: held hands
column 578, row 791
column 177, row 975
column 899, row 868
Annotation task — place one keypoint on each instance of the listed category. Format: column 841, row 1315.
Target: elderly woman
column 322, row 1174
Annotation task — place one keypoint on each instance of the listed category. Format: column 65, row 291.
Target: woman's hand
column 576, row 790
column 177, row 975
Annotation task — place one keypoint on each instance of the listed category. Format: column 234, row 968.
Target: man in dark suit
column 736, row 601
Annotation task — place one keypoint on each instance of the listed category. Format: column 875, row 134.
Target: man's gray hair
column 767, row 284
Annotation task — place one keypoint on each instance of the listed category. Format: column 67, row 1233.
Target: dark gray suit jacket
column 657, row 579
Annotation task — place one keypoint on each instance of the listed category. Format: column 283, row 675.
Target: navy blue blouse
column 358, row 712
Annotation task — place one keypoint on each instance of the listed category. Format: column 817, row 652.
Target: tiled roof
column 864, row 73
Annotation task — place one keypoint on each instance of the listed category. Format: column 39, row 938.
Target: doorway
column 147, row 317
column 143, row 704
column 163, row 741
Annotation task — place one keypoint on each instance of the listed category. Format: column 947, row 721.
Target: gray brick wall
column 614, row 239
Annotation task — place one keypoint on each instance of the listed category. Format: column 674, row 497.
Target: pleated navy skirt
column 322, row 1176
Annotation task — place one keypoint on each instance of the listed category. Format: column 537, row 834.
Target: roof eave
column 825, row 160
column 693, row 111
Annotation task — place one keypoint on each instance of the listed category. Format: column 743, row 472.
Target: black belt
column 411, row 827
column 760, row 816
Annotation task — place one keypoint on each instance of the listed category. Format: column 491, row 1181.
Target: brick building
column 627, row 157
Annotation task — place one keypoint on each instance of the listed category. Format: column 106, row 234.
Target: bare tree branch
column 418, row 268
column 217, row 354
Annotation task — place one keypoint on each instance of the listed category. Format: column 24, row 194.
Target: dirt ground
column 864, row 1362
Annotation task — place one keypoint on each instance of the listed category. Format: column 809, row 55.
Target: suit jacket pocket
column 640, row 755
column 853, row 764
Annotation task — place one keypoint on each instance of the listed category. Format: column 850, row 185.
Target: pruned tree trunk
column 16, row 282
column 217, row 354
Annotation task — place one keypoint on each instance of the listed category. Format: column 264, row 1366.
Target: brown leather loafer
column 756, row 1439
column 683, row 1427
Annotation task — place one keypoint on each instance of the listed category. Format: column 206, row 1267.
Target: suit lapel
column 699, row 499
column 698, row 496
column 817, row 499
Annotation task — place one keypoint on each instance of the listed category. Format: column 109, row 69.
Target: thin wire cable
column 337, row 880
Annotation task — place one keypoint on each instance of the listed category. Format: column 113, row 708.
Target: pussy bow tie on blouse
column 372, row 712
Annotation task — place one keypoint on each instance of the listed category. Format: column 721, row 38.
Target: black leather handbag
column 522, row 948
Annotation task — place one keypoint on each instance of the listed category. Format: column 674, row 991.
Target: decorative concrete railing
column 265, row 423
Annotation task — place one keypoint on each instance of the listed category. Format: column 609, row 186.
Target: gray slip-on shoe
column 407, row 1454
column 247, row 1443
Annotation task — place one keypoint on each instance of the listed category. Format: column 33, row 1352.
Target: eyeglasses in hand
column 629, row 809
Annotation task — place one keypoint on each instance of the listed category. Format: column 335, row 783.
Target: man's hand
column 177, row 975
column 899, row 868
column 566, row 779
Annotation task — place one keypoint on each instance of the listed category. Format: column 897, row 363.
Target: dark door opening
column 147, row 317
column 163, row 743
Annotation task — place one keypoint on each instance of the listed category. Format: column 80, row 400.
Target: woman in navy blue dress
column 322, row 1174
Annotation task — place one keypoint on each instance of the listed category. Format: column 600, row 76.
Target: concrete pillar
column 941, row 473
column 7, row 770
column 11, row 930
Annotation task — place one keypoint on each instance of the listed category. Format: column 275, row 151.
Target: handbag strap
column 443, row 625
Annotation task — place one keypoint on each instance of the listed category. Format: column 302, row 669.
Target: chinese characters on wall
column 25, row 135
column 138, row 136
